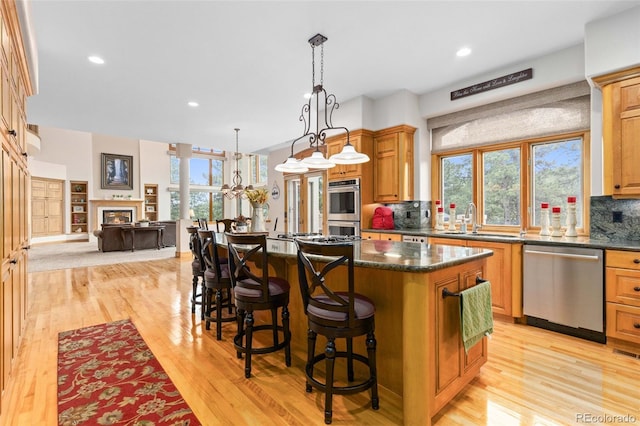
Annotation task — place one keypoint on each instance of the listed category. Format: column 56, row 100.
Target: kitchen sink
column 481, row 234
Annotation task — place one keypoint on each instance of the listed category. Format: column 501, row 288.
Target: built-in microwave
column 343, row 200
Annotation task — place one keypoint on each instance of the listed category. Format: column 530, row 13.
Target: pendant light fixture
column 237, row 190
column 317, row 160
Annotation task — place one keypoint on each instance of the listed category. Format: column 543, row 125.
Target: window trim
column 526, row 178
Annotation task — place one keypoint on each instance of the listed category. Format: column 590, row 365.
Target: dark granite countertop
column 533, row 239
column 389, row 255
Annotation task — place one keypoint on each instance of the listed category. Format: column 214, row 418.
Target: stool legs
column 248, row 343
column 330, row 353
column 311, row 351
column 287, row 335
column 373, row 371
column 194, row 293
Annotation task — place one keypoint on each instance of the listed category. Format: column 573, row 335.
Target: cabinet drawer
column 623, row 259
column 623, row 322
column 623, row 286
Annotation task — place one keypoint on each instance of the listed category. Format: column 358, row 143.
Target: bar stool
column 216, row 280
column 335, row 314
column 197, row 268
column 226, row 224
column 255, row 290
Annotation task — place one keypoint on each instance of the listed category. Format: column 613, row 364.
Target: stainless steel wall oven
column 343, row 200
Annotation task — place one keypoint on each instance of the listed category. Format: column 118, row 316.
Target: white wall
column 155, row 166
column 613, row 43
column 72, row 155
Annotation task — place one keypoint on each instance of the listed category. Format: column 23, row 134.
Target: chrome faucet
column 472, row 214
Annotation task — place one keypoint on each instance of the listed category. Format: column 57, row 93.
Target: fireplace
column 117, row 216
column 98, row 206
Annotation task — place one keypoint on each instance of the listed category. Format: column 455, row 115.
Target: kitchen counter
column 420, row 355
column 580, row 241
column 394, row 256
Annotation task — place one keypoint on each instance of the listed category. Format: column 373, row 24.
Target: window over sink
column 508, row 182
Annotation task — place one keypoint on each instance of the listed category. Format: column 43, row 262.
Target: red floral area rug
column 108, row 376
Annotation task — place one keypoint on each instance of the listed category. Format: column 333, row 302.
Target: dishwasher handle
column 567, row 255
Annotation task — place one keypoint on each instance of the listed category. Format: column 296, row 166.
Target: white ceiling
column 248, row 63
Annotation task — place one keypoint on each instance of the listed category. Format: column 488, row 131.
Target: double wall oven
column 343, row 207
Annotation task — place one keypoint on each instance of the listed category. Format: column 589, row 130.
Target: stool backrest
column 247, row 250
column 226, row 225
column 210, row 251
column 316, row 288
column 195, row 243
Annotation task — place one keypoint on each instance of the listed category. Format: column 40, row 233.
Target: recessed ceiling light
column 96, row 60
column 193, row 104
column 465, row 51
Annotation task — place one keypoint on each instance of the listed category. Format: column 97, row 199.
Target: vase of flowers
column 258, row 198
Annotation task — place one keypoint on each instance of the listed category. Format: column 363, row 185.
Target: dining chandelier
column 317, row 160
column 237, row 190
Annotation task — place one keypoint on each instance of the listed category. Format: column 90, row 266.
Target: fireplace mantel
column 118, row 203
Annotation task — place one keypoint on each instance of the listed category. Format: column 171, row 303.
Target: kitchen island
column 420, row 355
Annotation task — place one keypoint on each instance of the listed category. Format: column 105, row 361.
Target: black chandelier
column 317, row 160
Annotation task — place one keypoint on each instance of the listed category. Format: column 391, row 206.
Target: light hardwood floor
column 533, row 377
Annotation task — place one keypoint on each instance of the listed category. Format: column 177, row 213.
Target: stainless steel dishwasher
column 564, row 291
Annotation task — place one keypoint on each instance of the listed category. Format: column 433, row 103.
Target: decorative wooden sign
column 495, row 83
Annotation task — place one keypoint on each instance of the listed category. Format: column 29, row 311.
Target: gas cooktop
column 315, row 237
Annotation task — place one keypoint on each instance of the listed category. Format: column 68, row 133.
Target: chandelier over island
column 317, row 160
column 237, row 190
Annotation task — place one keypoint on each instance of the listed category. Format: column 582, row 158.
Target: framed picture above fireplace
column 117, row 171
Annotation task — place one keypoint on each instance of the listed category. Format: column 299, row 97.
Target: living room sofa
column 112, row 238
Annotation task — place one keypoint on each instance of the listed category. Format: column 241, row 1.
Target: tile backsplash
column 604, row 208
column 411, row 214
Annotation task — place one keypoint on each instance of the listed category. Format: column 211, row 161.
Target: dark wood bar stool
column 197, row 269
column 217, row 284
column 335, row 314
column 254, row 290
column 226, row 224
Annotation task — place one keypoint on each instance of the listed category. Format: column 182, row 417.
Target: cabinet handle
column 13, row 132
column 636, row 261
column 13, row 261
column 636, row 325
column 636, row 289
column 616, row 186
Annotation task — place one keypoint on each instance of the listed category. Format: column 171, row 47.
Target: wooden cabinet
column 453, row 364
column 14, row 189
column 621, row 133
column 151, row 202
column 362, row 141
column 46, row 207
column 388, row 236
column 78, row 205
column 504, row 270
column 622, row 289
column 393, row 164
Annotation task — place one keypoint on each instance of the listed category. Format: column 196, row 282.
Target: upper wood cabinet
column 362, row 142
column 393, row 164
column 621, row 133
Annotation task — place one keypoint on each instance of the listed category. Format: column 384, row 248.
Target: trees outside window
column 508, row 182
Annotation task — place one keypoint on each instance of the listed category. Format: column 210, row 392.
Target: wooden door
column 46, row 207
column 626, row 144
column 386, row 183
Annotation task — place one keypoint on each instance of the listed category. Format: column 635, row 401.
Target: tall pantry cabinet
column 15, row 86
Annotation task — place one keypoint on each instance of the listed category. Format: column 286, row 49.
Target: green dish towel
column 476, row 318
